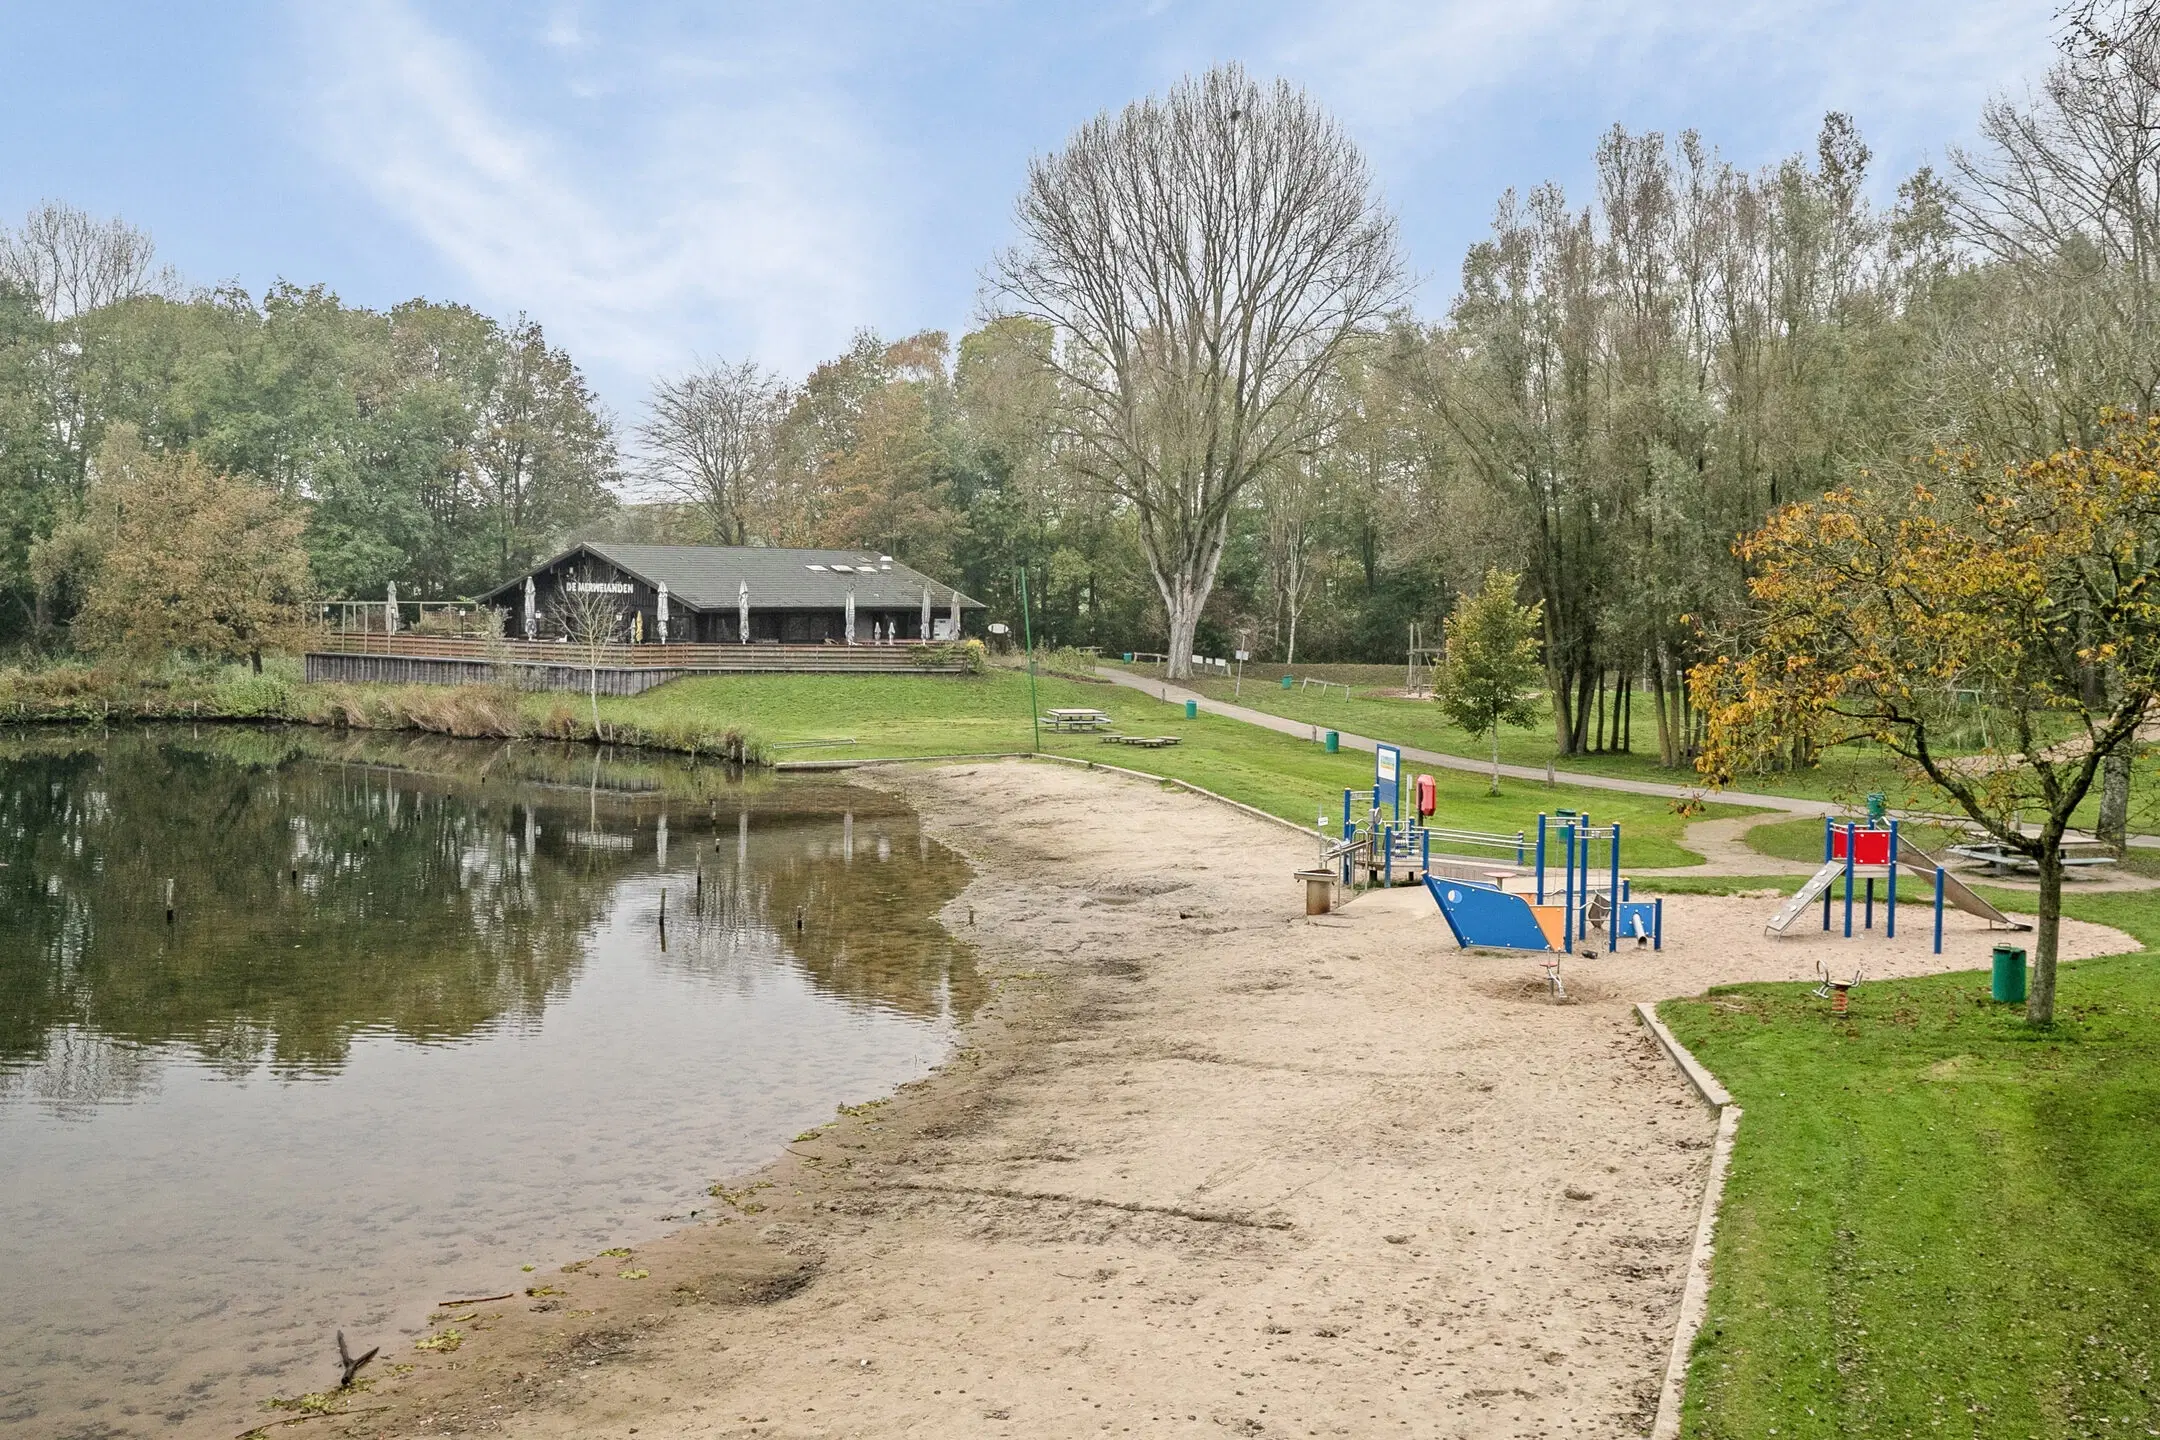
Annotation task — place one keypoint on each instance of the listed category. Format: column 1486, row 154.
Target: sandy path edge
column 1199, row 1155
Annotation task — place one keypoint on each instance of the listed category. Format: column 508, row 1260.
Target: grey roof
column 709, row 577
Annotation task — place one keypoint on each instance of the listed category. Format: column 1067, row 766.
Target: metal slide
column 1921, row 865
column 1955, row 891
column 1807, row 895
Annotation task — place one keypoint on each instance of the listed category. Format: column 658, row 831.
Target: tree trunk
column 2040, row 1004
column 1668, row 750
column 1495, row 759
column 1184, row 593
column 593, row 690
column 255, row 659
column 2114, row 826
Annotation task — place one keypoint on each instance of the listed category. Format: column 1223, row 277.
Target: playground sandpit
column 1720, row 940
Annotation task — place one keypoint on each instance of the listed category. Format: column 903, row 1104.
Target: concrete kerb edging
column 1695, row 1296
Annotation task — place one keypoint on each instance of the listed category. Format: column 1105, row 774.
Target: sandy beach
column 1205, row 1166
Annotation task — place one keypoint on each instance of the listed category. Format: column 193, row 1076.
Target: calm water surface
column 414, row 1024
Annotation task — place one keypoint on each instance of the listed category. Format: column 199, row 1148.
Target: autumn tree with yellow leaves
column 168, row 555
column 2035, row 588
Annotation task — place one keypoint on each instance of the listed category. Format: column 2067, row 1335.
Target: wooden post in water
column 168, row 900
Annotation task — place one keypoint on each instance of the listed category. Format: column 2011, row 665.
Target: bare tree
column 590, row 614
column 71, row 264
column 1293, row 499
column 2064, row 192
column 1202, row 258
column 710, row 438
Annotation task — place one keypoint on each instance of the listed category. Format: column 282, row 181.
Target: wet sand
column 1206, row 1166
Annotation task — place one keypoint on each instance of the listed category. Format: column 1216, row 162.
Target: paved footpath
column 1791, row 805
column 1303, row 731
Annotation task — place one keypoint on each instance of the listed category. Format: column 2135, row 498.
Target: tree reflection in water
column 332, row 885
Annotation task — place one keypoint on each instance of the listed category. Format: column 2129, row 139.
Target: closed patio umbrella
column 956, row 615
column 532, row 613
column 851, row 615
column 663, row 612
column 390, row 611
column 926, row 610
column 742, row 613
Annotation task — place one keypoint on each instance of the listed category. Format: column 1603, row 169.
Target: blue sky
column 655, row 181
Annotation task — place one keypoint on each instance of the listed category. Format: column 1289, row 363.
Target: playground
column 1556, row 891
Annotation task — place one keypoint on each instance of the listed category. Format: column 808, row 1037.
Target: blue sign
column 1387, row 779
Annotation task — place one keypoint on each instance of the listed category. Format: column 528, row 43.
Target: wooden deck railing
column 621, row 657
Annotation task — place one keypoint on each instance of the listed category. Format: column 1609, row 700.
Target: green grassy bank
column 1844, row 776
column 1938, row 1222
column 803, row 717
column 837, row 717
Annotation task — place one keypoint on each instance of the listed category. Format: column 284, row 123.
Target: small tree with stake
column 1490, row 673
column 591, row 618
column 2037, row 588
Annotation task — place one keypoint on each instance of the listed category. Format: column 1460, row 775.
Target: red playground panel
column 1870, row 847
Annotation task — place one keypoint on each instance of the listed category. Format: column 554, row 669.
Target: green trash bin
column 1192, row 709
column 2009, row 975
column 1128, row 657
column 1334, row 741
column 1286, row 681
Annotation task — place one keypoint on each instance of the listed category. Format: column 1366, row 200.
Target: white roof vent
column 843, row 569
column 814, row 567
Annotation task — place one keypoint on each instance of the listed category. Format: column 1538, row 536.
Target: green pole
column 1027, row 635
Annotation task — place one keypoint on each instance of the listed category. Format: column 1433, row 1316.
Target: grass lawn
column 899, row 715
column 1937, row 1221
column 1846, row 776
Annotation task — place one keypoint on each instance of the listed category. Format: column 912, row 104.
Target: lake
column 412, row 1023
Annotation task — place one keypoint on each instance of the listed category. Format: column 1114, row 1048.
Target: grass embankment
column 1844, row 776
column 799, row 717
column 802, row 717
column 1938, row 1221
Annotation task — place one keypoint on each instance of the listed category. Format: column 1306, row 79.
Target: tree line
column 1198, row 407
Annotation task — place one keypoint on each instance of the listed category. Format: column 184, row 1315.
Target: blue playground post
column 1890, row 903
column 1387, row 862
column 1612, row 900
column 1938, row 906
column 1657, row 925
column 1541, row 857
column 1850, row 847
column 1567, row 909
column 1424, row 850
column 1828, row 854
column 1346, row 814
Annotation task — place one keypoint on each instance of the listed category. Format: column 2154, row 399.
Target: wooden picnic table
column 1075, row 718
column 2000, row 859
column 1145, row 742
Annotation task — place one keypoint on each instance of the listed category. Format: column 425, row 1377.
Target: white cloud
column 715, row 219
column 1914, row 72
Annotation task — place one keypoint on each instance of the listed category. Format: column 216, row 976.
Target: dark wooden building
column 706, row 593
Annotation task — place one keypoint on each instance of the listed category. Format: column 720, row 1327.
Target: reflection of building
column 706, row 593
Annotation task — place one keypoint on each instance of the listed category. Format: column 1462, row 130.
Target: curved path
column 1725, row 844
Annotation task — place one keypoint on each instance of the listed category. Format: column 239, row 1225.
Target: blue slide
column 1487, row 916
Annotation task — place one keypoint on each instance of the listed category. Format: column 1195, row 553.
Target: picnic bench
column 1075, row 718
column 1145, row 742
column 2000, row 859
